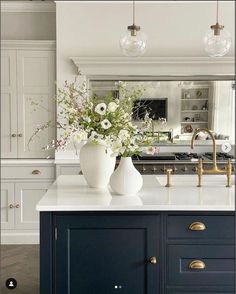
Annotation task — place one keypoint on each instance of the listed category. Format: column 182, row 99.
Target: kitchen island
column 164, row 240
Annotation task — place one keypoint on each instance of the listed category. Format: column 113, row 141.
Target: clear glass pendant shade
column 217, row 45
column 133, row 45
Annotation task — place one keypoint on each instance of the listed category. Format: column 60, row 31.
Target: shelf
column 194, row 110
column 194, row 122
column 200, row 99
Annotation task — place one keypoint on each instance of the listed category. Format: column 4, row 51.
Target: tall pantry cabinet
column 28, row 76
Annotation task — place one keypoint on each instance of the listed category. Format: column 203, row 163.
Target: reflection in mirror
column 180, row 107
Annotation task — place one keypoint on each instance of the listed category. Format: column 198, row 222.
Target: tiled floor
column 22, row 263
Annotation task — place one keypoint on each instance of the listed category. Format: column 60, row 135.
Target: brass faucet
column 214, row 169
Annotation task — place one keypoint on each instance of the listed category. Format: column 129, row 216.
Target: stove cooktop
column 219, row 156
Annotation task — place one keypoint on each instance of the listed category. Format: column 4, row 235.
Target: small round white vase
column 126, row 179
column 97, row 165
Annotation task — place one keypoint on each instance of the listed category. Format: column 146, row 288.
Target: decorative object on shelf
column 188, row 129
column 199, row 93
column 126, row 179
column 197, row 117
column 187, row 95
column 133, row 42
column 187, row 118
column 205, row 106
column 97, row 164
column 217, row 41
column 194, row 107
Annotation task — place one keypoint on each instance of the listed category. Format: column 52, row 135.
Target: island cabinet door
column 107, row 254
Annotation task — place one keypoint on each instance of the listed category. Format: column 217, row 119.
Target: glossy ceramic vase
column 97, row 165
column 126, row 179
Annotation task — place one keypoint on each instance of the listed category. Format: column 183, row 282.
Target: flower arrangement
column 106, row 121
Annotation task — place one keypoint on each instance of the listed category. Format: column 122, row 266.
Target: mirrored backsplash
column 180, row 107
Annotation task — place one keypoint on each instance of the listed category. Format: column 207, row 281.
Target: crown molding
column 154, row 66
column 29, row 44
column 27, row 6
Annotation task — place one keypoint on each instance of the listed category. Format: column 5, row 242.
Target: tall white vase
column 97, row 165
column 126, row 179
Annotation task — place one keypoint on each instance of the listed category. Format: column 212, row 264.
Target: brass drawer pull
column 13, row 135
column 11, row 206
column 153, row 260
column 36, row 172
column 197, row 226
column 17, row 206
column 197, row 264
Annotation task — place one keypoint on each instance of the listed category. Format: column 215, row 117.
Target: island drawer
column 28, row 172
column 200, row 227
column 200, row 265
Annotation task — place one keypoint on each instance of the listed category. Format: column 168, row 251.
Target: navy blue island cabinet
column 137, row 252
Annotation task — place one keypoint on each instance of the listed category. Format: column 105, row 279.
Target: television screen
column 156, row 107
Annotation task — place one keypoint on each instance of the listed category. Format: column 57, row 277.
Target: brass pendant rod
column 133, row 12
column 217, row 11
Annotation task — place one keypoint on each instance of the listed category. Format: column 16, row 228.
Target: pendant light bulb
column 217, row 41
column 133, row 42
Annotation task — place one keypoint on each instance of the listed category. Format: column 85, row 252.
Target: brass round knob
column 17, row 205
column 197, row 226
column 11, row 206
column 20, row 135
column 153, row 260
column 195, row 169
column 144, row 169
column 175, row 169
column 197, row 264
column 13, row 135
column 185, row 169
column 154, row 169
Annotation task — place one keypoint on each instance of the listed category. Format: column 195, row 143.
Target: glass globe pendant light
column 217, row 41
column 133, row 42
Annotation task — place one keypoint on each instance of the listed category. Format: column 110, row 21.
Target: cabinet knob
column 197, row 264
column 17, row 206
column 153, row 260
column 185, row 169
column 195, row 169
column 144, row 169
column 13, row 135
column 36, row 172
column 154, row 169
column 197, row 226
column 11, row 206
column 20, row 135
column 175, row 169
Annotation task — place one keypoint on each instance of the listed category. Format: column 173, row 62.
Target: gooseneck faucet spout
column 214, row 169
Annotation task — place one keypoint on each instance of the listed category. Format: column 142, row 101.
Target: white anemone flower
column 123, row 135
column 112, row 106
column 81, row 136
column 101, row 108
column 106, row 124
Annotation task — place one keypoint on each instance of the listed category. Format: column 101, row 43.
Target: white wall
column 28, row 26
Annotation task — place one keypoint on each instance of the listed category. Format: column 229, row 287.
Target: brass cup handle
column 197, row 226
column 11, row 206
column 36, row 172
column 197, row 264
column 153, row 260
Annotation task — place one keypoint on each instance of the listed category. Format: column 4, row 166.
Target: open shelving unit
column 194, row 108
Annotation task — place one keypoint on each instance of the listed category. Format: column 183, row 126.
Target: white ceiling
column 174, row 28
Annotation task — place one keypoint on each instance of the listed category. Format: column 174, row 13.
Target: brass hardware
column 185, row 169
column 144, row 169
column 11, row 206
column 17, row 206
column 195, row 169
column 214, row 169
column 13, row 135
column 20, row 135
column 168, row 173
column 175, row 169
column 36, row 172
column 153, row 260
column 197, row 264
column 154, row 169
column 197, row 226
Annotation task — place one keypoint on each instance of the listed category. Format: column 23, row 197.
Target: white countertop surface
column 71, row 193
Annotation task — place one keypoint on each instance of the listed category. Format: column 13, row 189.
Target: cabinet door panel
column 107, row 255
column 36, row 106
column 27, row 195
column 7, row 199
column 8, row 104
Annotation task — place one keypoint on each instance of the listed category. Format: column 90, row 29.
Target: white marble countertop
column 71, row 193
